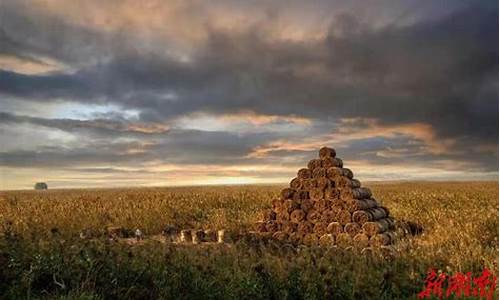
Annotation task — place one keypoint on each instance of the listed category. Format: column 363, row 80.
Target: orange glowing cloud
column 262, row 119
column 360, row 128
column 30, row 66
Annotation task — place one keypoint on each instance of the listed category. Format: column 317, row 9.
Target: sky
column 153, row 93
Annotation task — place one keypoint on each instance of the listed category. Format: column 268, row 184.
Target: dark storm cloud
column 105, row 127
column 177, row 147
column 441, row 71
column 28, row 32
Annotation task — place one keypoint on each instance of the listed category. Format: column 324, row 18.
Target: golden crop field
column 43, row 257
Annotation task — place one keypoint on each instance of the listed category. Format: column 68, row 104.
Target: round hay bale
column 288, row 227
column 320, row 228
column 306, row 205
column 291, row 205
column 415, row 228
column 327, row 152
column 310, row 239
column 329, row 162
column 287, row 193
column 210, row 235
column 382, row 239
column 361, row 217
column 352, row 228
column 297, row 216
column 333, row 172
column 357, row 193
column 268, row 215
column 271, row 226
column 344, row 217
column 332, row 193
column 305, row 227
column 280, row 236
column 313, row 216
column 198, row 236
column 336, row 207
column 222, row 237
column 170, row 233
column 359, row 204
column 361, row 193
column 327, row 240
column 283, row 216
column 295, row 238
column 320, row 205
column 347, row 173
column 402, row 228
column 296, row 183
column 377, row 213
column 335, row 228
column 304, row 173
column 343, row 240
column 300, row 195
column 319, row 172
column 344, row 182
column 185, row 236
column 323, row 182
column 261, row 226
column 375, row 227
column 314, row 163
column 361, row 240
column 385, row 209
column 310, row 184
column 355, row 183
column 41, row 186
column 329, row 216
column 316, row 194
column 277, row 203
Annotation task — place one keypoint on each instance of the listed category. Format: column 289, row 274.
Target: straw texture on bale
column 320, row 228
column 327, row 240
column 297, row 216
column 352, row 228
column 313, row 216
column 314, row 163
column 329, row 162
column 296, row 183
column 287, row 193
column 327, row 152
column 362, row 240
column 304, row 173
column 335, row 228
column 310, row 239
column 316, row 194
column 306, row 205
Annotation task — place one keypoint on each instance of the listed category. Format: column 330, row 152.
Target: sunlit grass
column 460, row 221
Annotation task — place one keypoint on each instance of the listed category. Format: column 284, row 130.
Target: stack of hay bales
column 325, row 205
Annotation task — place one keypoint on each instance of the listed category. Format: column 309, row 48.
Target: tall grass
column 41, row 255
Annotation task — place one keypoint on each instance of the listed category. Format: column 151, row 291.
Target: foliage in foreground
column 460, row 219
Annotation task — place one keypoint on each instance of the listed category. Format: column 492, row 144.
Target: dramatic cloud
column 410, row 85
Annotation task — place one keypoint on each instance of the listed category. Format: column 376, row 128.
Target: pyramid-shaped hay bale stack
column 325, row 205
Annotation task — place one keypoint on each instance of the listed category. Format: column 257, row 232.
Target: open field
column 42, row 255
